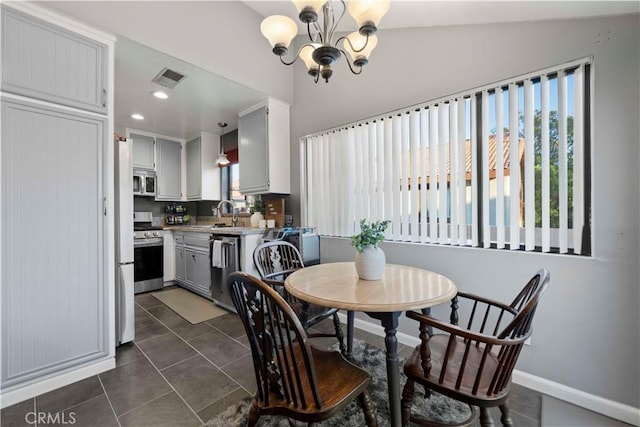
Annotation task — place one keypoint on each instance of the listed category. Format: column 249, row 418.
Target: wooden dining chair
column 275, row 261
column 293, row 379
column 473, row 363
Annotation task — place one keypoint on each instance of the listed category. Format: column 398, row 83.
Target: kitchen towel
column 216, row 254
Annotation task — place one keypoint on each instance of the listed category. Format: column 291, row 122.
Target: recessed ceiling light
column 160, row 94
column 137, row 116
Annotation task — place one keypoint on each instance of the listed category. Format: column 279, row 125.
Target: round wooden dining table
column 402, row 288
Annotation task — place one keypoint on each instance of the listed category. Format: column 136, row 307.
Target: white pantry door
column 54, row 288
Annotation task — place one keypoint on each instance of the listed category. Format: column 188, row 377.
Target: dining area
column 466, row 358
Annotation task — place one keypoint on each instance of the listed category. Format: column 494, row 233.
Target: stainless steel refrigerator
column 125, row 307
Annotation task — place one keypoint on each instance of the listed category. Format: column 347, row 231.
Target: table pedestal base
column 390, row 323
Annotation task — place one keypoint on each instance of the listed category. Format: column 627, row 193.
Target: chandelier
column 321, row 52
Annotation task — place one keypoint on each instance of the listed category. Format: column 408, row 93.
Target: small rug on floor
column 191, row 307
column 438, row 408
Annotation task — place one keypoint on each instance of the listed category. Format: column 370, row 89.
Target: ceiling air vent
column 168, row 78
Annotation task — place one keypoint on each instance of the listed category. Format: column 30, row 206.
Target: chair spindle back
column 282, row 357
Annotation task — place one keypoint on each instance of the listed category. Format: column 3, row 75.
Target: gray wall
column 586, row 332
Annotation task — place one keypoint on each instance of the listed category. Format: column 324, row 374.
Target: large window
column 504, row 166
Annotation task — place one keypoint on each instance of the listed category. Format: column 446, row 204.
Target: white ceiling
column 426, row 13
column 203, row 99
column 197, row 103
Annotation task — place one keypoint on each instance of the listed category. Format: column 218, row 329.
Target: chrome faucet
column 234, row 211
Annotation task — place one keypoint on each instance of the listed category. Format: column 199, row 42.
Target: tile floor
column 179, row 374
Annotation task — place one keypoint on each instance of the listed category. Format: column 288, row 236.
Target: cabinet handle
column 104, row 98
column 104, row 204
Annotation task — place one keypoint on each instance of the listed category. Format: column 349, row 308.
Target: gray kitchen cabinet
column 263, row 148
column 55, row 294
column 47, row 62
column 192, row 262
column 143, row 151
column 197, row 272
column 179, row 257
column 194, row 184
column 168, row 169
column 203, row 174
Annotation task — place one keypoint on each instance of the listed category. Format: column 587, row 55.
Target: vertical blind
column 502, row 166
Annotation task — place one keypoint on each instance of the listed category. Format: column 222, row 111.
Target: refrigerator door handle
column 126, row 304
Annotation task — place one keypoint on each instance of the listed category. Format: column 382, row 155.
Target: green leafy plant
column 256, row 206
column 370, row 234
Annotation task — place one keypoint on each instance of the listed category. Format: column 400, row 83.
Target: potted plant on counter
column 256, row 209
column 370, row 259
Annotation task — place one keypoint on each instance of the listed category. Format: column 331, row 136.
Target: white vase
column 370, row 263
column 255, row 219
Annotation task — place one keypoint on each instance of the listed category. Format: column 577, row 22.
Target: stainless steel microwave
column 144, row 183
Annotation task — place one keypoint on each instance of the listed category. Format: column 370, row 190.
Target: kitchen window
column 230, row 175
column 504, row 166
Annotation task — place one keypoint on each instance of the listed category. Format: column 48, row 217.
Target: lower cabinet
column 193, row 270
column 197, row 271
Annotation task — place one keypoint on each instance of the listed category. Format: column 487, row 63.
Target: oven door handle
column 147, row 243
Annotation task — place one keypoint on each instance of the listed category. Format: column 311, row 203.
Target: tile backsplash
column 200, row 211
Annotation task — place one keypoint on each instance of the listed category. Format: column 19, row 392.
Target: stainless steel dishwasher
column 224, row 254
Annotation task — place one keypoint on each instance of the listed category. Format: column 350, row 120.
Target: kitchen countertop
column 209, row 229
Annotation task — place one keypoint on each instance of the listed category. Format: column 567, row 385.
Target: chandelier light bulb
column 361, row 47
column 368, row 13
column 279, row 30
column 308, row 9
column 306, row 56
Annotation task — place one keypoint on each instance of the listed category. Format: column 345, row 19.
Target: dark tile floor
column 179, row 374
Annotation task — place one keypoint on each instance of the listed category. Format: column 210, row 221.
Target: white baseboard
column 600, row 405
column 591, row 402
column 23, row 392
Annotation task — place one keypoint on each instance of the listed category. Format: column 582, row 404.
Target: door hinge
column 104, row 205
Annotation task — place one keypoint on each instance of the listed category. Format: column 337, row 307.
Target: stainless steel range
column 148, row 254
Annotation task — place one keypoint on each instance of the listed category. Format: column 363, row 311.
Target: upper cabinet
column 50, row 63
column 143, row 151
column 203, row 174
column 263, row 148
column 168, row 169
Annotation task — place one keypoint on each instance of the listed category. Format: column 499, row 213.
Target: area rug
column 191, row 307
column 372, row 359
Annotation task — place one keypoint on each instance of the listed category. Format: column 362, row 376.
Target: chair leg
column 339, row 334
column 407, row 399
column 505, row 419
column 367, row 408
column 485, row 418
column 254, row 414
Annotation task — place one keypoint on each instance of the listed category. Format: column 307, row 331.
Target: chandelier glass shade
column 321, row 52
